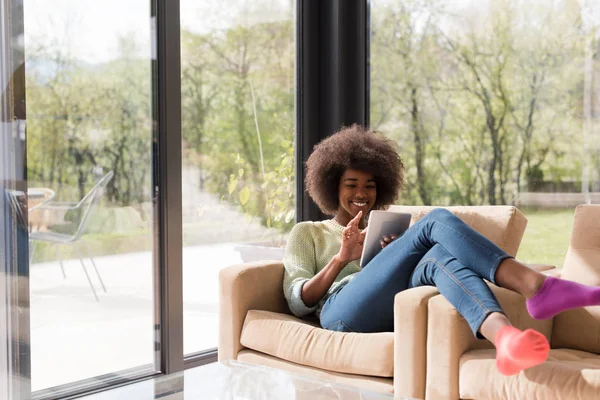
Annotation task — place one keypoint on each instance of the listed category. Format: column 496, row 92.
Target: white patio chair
column 82, row 210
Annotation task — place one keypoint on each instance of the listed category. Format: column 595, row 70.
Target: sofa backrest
column 503, row 225
column 580, row 328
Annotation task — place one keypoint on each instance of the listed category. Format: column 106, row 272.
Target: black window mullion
column 167, row 196
column 331, row 79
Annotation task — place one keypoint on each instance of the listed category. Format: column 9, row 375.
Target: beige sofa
column 256, row 325
column 460, row 367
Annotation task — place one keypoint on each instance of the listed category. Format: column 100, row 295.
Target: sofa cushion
column 503, row 225
column 567, row 375
column 295, row 340
column 580, row 328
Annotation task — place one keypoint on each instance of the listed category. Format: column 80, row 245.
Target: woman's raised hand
column 352, row 240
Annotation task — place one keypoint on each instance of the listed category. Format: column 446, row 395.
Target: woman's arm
column 303, row 286
column 351, row 249
column 316, row 287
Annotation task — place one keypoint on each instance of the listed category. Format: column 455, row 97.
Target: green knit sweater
column 310, row 247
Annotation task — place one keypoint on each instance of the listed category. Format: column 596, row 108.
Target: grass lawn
column 546, row 238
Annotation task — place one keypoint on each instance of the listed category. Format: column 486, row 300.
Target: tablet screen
column 382, row 223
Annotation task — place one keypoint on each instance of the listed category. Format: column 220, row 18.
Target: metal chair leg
column 86, row 274
column 89, row 254
column 62, row 267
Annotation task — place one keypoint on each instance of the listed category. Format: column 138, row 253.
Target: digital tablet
column 382, row 223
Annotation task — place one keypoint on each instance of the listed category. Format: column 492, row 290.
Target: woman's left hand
column 387, row 240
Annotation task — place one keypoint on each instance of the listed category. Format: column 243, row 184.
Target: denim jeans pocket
column 339, row 326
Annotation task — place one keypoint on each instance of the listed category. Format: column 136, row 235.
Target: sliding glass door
column 90, row 134
column 78, row 305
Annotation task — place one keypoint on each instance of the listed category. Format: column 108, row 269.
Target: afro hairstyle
column 358, row 148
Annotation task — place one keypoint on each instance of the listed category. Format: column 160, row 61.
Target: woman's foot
column 557, row 295
column 517, row 350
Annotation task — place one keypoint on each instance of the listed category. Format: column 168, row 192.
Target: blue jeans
column 439, row 250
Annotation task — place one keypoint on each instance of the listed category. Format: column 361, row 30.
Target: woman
column 355, row 171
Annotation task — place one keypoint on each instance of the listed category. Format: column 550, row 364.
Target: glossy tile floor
column 231, row 380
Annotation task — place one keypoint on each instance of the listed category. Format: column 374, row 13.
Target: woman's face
column 357, row 192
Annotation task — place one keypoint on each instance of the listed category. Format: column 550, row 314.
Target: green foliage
column 478, row 97
column 87, row 120
column 271, row 198
column 279, row 189
column 481, row 102
column 230, row 134
column 84, row 122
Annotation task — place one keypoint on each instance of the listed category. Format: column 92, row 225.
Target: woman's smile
column 360, row 205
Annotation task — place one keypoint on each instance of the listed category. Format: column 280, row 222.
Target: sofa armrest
column 556, row 272
column 540, row 267
column 449, row 337
column 410, row 340
column 546, row 269
column 251, row 286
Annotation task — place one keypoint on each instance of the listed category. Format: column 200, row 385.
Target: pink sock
column 517, row 350
column 557, row 295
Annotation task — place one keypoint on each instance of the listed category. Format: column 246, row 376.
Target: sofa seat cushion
column 292, row 339
column 566, row 375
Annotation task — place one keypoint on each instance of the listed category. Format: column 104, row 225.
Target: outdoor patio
column 75, row 337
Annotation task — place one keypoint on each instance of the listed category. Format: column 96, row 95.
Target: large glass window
column 493, row 102
column 89, row 170
column 238, row 146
